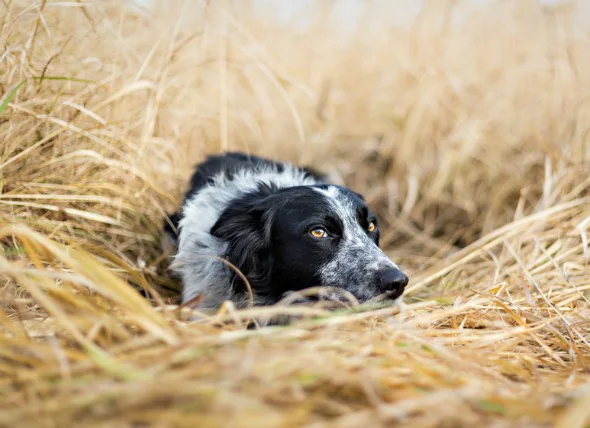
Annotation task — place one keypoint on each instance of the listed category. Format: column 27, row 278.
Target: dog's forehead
column 347, row 205
column 303, row 200
column 341, row 197
column 321, row 200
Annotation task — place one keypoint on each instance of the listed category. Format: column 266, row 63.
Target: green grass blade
column 10, row 97
column 66, row 78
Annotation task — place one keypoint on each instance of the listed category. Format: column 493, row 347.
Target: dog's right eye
column 318, row 232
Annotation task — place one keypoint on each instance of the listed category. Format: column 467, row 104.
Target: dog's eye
column 318, row 232
column 372, row 227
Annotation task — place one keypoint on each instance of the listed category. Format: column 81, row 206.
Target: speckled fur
column 356, row 245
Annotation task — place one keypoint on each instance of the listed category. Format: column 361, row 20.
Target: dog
column 252, row 230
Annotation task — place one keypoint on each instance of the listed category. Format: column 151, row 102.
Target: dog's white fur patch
column 197, row 260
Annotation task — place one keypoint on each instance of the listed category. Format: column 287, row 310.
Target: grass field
column 468, row 132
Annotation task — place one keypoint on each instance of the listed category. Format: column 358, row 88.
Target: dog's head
column 290, row 239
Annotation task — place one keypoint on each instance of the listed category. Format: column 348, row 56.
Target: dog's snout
column 392, row 279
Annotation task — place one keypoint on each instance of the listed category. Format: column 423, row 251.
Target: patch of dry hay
column 470, row 139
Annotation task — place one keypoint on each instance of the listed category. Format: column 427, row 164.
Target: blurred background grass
column 465, row 124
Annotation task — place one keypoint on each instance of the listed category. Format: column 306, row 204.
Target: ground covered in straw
column 468, row 132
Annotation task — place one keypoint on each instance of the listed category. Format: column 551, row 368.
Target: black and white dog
column 284, row 227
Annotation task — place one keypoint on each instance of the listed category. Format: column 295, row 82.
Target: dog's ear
column 245, row 226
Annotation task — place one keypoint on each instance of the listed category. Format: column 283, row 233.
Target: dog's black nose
column 392, row 280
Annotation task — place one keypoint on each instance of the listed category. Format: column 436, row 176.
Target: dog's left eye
column 372, row 227
column 318, row 232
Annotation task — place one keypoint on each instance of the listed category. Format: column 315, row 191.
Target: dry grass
column 469, row 137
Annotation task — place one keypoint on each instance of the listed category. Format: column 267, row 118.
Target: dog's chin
column 337, row 296
column 391, row 296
